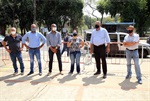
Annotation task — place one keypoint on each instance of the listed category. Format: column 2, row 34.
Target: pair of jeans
column 58, row 54
column 100, row 53
column 32, row 53
column 65, row 48
column 18, row 56
column 135, row 56
column 75, row 56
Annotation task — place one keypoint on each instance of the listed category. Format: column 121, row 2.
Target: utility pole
column 34, row 11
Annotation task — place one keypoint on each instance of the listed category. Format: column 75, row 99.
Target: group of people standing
column 99, row 46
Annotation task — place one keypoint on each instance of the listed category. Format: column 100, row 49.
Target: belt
column 100, row 45
column 131, row 50
column 33, row 48
column 55, row 47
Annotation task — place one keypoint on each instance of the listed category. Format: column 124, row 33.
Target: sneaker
column 79, row 73
column 70, row 73
column 128, row 76
column 30, row 73
column 49, row 73
column 104, row 76
column 22, row 73
column 140, row 81
column 40, row 74
column 15, row 73
column 61, row 73
column 97, row 73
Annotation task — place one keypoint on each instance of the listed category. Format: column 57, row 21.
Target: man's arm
column 128, row 44
column 43, row 39
column 24, row 38
column 91, row 48
column 4, row 44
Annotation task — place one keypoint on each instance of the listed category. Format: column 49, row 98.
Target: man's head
column 13, row 30
column 97, row 24
column 53, row 27
column 130, row 29
column 33, row 27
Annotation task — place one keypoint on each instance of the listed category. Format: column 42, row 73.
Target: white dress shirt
column 100, row 37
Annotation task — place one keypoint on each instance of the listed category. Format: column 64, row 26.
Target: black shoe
column 40, row 74
column 97, row 73
column 15, row 73
column 30, row 73
column 104, row 76
column 22, row 73
column 128, row 76
column 49, row 73
column 70, row 73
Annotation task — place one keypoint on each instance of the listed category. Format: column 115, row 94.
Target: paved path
column 84, row 87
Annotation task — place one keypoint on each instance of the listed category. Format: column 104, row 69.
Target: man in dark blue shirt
column 14, row 49
column 66, row 39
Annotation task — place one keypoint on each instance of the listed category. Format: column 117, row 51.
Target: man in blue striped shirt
column 54, row 43
column 34, row 38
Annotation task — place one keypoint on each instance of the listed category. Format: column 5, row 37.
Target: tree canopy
column 19, row 13
column 129, row 10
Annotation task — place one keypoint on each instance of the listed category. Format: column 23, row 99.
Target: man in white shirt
column 131, row 43
column 98, row 40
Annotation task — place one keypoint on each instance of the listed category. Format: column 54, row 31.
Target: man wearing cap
column 54, row 43
column 14, row 49
column 34, row 38
column 131, row 42
column 98, row 40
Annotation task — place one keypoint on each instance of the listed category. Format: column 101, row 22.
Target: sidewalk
column 84, row 87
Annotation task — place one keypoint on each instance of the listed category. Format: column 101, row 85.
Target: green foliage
column 129, row 10
column 20, row 12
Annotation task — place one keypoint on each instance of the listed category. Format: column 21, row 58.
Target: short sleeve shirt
column 133, row 38
column 75, row 45
column 13, row 43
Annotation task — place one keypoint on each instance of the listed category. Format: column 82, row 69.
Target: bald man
column 34, row 38
column 54, row 43
column 14, row 50
column 98, row 40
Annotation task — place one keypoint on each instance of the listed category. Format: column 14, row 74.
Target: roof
column 121, row 23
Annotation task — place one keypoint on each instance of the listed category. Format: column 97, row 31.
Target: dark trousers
column 100, row 53
column 58, row 54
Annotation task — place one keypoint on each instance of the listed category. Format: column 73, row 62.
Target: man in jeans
column 131, row 43
column 54, row 43
column 14, row 49
column 34, row 38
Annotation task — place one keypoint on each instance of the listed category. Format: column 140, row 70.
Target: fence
column 114, row 57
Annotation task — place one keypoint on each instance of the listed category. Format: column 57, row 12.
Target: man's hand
column 107, row 49
column 21, row 49
column 54, row 50
column 8, row 50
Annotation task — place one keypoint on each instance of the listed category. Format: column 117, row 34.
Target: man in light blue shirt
column 54, row 43
column 34, row 38
column 98, row 40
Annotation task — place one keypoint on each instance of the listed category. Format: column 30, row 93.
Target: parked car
column 1, row 39
column 116, row 46
column 148, row 40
